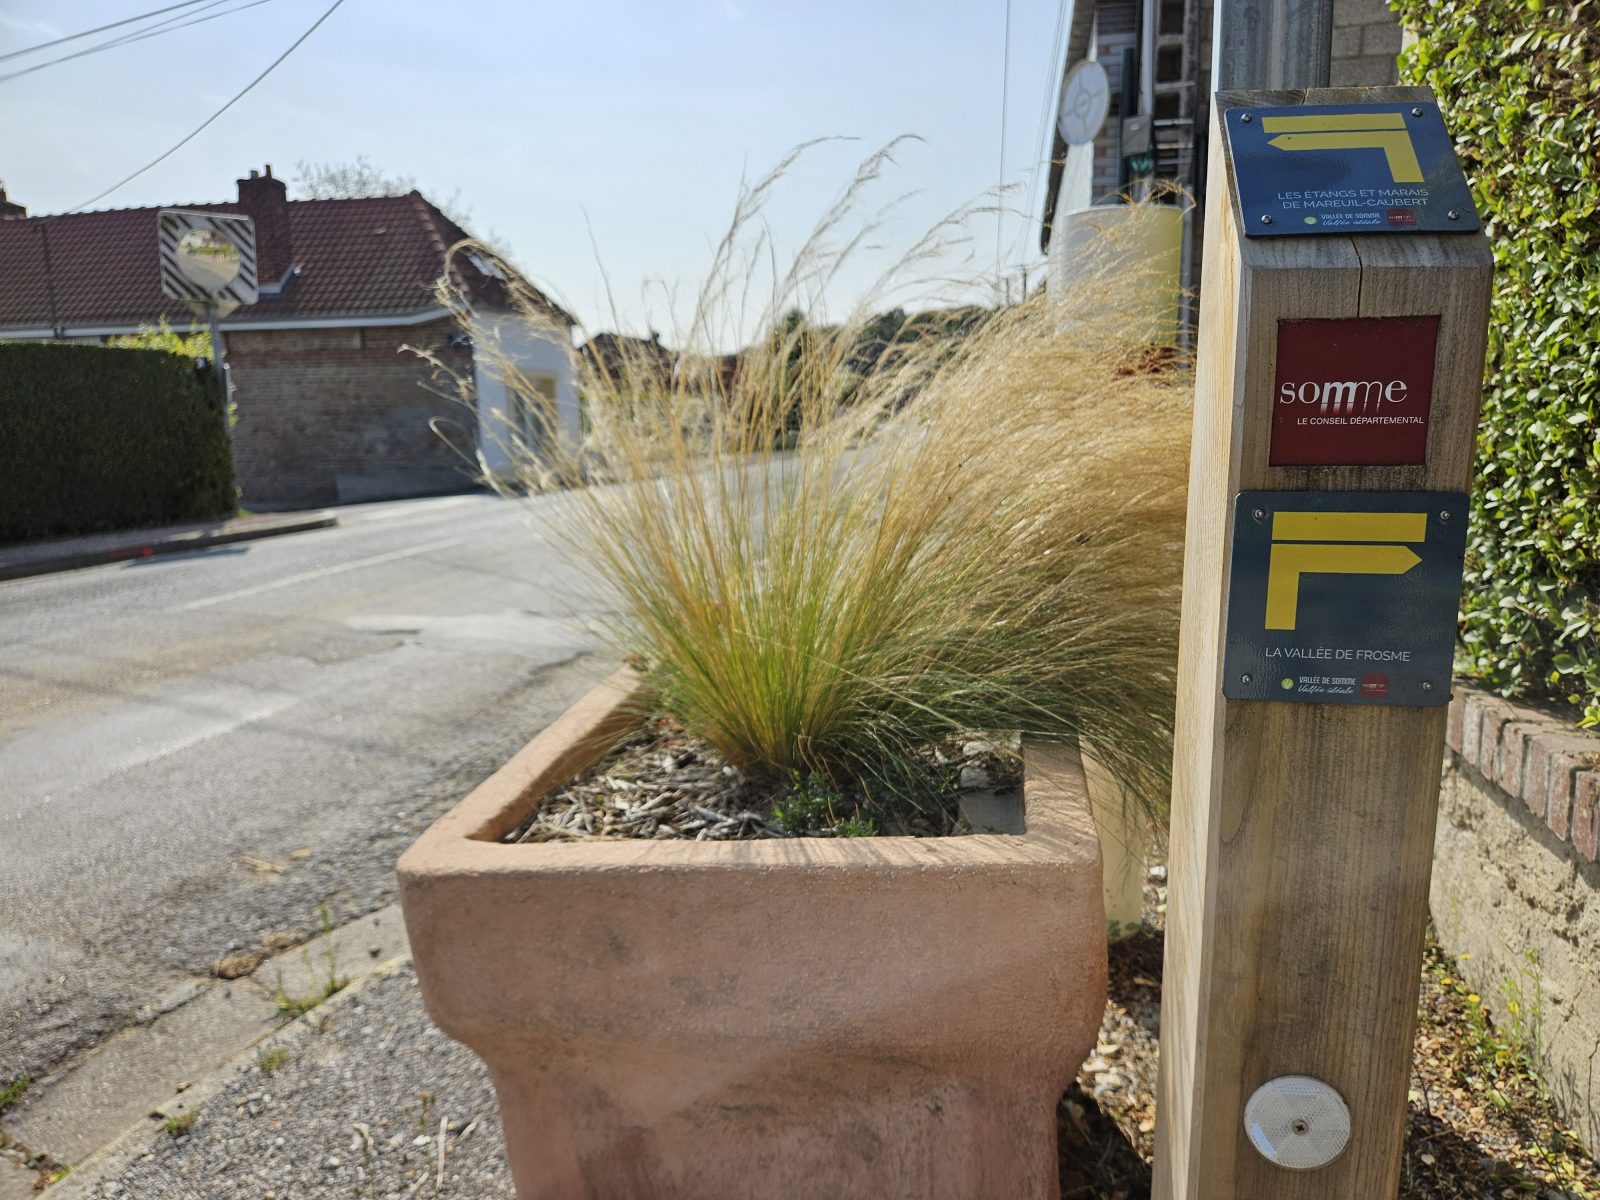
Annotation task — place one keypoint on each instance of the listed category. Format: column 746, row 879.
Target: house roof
column 374, row 257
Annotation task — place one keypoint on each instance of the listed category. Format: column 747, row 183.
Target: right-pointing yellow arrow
column 1289, row 562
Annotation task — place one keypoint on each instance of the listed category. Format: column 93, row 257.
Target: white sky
column 635, row 119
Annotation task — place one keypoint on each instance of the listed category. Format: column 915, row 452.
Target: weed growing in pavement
column 181, row 1124
column 426, row 1101
column 331, row 983
column 270, row 1059
column 856, row 537
column 14, row 1091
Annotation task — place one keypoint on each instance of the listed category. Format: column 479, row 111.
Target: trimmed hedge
column 93, row 438
column 1519, row 81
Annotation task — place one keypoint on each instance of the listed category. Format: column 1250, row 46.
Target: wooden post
column 1302, row 832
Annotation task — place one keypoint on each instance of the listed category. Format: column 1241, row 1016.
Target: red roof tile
column 376, row 256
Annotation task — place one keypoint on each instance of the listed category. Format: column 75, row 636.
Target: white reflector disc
column 1297, row 1122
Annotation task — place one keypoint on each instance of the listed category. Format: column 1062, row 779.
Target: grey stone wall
column 1516, row 885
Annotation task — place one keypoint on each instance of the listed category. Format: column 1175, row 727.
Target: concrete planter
column 874, row 1017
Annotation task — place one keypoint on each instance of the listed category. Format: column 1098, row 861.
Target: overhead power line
column 198, row 129
column 1005, row 96
column 170, row 25
column 72, row 37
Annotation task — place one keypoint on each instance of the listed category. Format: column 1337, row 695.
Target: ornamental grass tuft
column 859, row 537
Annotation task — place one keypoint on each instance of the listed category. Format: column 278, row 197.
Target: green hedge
column 1520, row 84
column 93, row 438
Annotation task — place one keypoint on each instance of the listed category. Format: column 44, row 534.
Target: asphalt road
column 199, row 750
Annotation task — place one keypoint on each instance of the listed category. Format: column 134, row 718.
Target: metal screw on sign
column 1445, row 515
column 1454, row 214
column 1247, row 118
column 1266, row 218
column 1244, row 678
column 1259, row 514
column 1426, row 686
column 1417, row 111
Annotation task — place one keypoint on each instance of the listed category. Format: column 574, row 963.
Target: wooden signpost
column 1342, row 333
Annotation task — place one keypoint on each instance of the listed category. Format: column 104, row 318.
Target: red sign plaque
column 1353, row 392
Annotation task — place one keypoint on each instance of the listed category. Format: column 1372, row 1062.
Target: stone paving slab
column 172, row 1064
column 16, row 1181
column 134, row 1072
column 345, row 953
column 364, row 1097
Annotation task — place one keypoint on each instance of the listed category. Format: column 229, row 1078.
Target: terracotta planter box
column 677, row 1020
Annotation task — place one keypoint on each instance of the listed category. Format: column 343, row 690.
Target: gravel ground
column 359, row 1108
column 1480, row 1127
column 362, row 1105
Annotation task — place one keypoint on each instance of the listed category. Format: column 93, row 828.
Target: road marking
column 319, row 573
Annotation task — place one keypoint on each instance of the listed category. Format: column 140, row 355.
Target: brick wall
column 338, row 415
column 1366, row 38
column 1516, row 883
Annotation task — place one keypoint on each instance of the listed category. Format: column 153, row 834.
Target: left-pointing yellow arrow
column 1396, row 146
column 1289, row 562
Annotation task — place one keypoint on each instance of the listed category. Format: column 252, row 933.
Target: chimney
column 265, row 200
column 8, row 208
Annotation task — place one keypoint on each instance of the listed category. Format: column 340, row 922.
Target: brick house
column 331, row 407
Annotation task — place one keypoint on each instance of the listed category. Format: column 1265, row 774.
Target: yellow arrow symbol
column 1395, row 144
column 1289, row 562
column 1290, row 526
column 1323, row 122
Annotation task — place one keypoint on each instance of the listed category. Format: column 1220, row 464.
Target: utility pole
column 215, row 330
column 1270, row 45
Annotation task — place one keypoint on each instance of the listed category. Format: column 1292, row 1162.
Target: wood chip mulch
column 663, row 783
column 1480, row 1125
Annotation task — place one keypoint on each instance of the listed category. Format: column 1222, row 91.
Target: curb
column 295, row 972
column 73, row 560
column 116, row 1156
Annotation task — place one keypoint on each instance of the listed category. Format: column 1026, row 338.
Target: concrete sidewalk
column 362, row 1097
column 67, row 554
column 359, row 1096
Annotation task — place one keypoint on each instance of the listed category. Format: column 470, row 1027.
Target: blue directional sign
column 1344, row 597
column 1347, row 168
